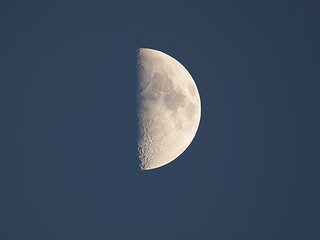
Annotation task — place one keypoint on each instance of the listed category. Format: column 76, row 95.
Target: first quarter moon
column 169, row 108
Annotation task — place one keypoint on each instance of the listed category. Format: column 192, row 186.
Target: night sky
column 68, row 165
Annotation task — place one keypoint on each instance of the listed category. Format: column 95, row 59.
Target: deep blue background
column 68, row 168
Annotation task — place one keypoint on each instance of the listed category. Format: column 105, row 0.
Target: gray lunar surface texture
column 169, row 108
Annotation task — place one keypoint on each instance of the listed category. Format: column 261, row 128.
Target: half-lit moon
column 169, row 108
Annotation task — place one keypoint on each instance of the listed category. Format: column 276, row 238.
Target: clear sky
column 68, row 168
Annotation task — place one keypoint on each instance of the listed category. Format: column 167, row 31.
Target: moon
column 169, row 108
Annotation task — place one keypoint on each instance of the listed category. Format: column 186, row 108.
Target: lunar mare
column 169, row 108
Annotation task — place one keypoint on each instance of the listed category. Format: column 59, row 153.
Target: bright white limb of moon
column 169, row 108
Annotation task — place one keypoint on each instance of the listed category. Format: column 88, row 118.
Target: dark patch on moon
column 174, row 99
column 160, row 86
column 161, row 82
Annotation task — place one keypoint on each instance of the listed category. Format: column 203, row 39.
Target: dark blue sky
column 68, row 168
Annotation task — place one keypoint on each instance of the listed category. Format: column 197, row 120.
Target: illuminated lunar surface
column 169, row 108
